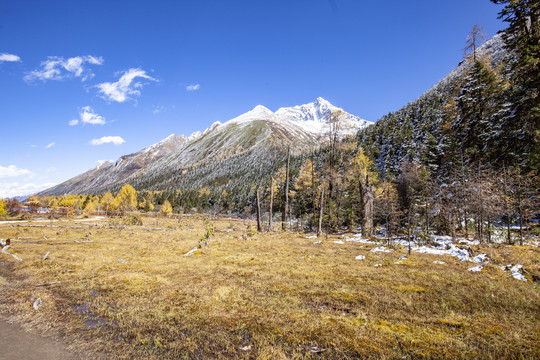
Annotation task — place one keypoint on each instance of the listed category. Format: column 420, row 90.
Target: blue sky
column 84, row 81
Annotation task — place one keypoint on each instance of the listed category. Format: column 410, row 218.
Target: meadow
column 130, row 291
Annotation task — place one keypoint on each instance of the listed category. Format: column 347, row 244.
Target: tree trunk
column 489, row 230
column 313, row 191
column 271, row 204
column 520, row 214
column 409, row 232
column 286, row 202
column 509, row 237
column 366, row 199
column 427, row 219
column 259, row 224
column 321, row 209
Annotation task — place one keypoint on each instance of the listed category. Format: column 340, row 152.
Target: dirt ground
column 18, row 344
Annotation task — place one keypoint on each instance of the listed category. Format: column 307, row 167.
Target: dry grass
column 132, row 293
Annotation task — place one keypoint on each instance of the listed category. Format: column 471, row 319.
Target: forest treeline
column 461, row 159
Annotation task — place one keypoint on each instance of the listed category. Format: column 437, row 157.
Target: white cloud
column 9, row 57
column 50, row 145
column 58, row 68
column 193, row 87
column 116, row 140
column 119, row 91
column 13, row 171
column 20, row 189
column 88, row 116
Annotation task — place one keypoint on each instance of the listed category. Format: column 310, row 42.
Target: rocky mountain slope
column 249, row 146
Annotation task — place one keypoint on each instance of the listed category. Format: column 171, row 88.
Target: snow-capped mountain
column 259, row 137
column 312, row 118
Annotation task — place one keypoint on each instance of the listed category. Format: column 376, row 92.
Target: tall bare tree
column 321, row 210
column 271, row 204
column 259, row 224
column 475, row 38
column 286, row 195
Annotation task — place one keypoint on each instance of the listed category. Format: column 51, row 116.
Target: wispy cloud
column 58, row 68
column 20, row 189
column 50, row 145
column 88, row 116
column 125, row 87
column 158, row 109
column 116, row 140
column 193, row 87
column 13, row 171
column 9, row 57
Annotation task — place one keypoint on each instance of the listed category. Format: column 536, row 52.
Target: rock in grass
column 37, row 304
column 191, row 251
column 46, row 256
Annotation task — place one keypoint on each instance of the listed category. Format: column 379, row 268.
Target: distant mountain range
column 225, row 155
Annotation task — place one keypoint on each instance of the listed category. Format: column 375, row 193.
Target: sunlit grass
column 268, row 296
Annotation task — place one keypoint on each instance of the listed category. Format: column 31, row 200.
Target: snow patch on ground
column 360, row 257
column 380, row 249
column 443, row 245
column 482, row 258
column 360, row 240
column 476, row 268
column 515, row 271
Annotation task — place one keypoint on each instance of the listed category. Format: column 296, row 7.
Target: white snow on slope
column 312, row 117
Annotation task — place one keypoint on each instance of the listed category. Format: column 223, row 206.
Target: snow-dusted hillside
column 426, row 130
column 258, row 137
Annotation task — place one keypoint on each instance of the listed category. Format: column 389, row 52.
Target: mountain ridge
column 300, row 127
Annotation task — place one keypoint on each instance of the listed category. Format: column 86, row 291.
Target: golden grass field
column 131, row 293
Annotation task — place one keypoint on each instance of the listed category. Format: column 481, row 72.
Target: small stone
column 37, row 304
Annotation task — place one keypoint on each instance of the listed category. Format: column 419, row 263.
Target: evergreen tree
column 477, row 103
column 521, row 127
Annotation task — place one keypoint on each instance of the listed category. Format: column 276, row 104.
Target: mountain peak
column 321, row 101
column 259, row 112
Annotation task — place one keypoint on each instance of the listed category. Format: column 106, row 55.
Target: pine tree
column 477, row 103
column 521, row 125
